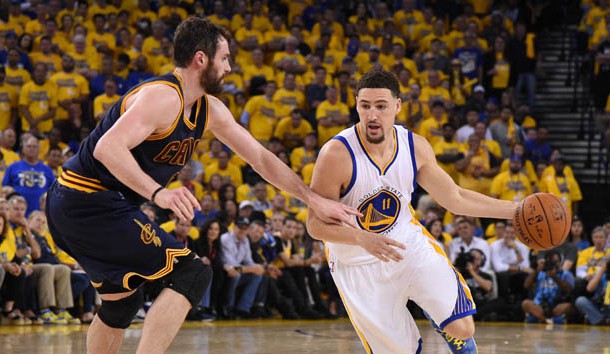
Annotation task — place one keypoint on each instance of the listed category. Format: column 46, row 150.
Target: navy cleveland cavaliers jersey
column 161, row 155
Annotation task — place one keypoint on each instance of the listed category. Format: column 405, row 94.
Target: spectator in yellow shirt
column 38, row 102
column 448, row 151
column 413, row 111
column 53, row 139
column 289, row 60
column 260, row 114
column 477, row 168
column 590, row 259
column 219, row 17
column 430, row 128
column 172, row 11
column 512, row 184
column 8, row 139
column 72, row 91
column 103, row 102
column 562, row 185
column 152, row 44
column 54, row 160
column 274, row 38
column 16, row 75
column 85, row 57
column 248, row 38
column 8, row 102
column 257, row 68
column 99, row 39
column 301, row 156
column 434, row 91
column 51, row 60
column 224, row 168
column 288, row 97
column 36, row 26
column 292, row 130
column 332, row 116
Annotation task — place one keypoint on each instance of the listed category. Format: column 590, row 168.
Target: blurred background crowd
column 468, row 73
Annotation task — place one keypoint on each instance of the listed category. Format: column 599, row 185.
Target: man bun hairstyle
column 379, row 79
column 197, row 34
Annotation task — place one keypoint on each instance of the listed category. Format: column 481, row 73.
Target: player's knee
column 461, row 329
column 190, row 278
column 120, row 313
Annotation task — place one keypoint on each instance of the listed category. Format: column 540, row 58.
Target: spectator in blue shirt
column 141, row 72
column 29, row 177
column 597, row 309
column 551, row 301
column 471, row 57
column 539, row 149
column 241, row 269
column 97, row 82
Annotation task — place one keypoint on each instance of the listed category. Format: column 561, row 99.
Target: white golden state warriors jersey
column 382, row 194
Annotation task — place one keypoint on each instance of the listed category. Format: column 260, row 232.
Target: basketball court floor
column 295, row 337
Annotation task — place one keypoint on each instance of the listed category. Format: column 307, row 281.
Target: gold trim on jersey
column 383, row 169
column 96, row 285
column 188, row 121
column 170, row 255
column 168, row 132
column 80, row 183
column 207, row 113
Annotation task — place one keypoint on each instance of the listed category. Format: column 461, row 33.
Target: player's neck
column 383, row 150
column 191, row 87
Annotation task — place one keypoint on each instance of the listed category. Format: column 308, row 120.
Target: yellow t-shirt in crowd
column 284, row 127
column 508, row 186
column 286, row 101
column 326, row 109
column 68, row 86
column 8, row 104
column 39, row 99
column 442, row 147
column 103, row 102
column 17, row 77
column 299, row 157
column 263, row 117
column 170, row 226
column 232, row 171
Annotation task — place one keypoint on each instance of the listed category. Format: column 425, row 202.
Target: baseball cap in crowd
column 245, row 204
column 242, row 221
column 479, row 88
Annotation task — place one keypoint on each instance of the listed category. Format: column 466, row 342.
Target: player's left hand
column 333, row 212
column 180, row 201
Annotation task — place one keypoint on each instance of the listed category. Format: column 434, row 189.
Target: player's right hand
column 381, row 247
column 180, row 201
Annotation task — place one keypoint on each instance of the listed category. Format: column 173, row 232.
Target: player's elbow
column 313, row 226
column 101, row 150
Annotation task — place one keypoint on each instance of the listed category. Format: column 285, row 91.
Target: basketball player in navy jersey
column 374, row 167
column 142, row 143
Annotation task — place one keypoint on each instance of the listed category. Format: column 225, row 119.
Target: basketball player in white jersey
column 374, row 166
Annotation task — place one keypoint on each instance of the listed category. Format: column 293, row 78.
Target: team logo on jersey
column 148, row 234
column 379, row 212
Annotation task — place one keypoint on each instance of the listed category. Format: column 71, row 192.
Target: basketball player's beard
column 377, row 140
column 211, row 84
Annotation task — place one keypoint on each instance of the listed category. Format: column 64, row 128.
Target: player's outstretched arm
column 451, row 196
column 333, row 171
column 271, row 168
column 152, row 110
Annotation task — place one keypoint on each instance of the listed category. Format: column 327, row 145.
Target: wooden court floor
column 294, row 337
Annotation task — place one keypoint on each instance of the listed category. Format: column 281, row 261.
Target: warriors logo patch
column 379, row 212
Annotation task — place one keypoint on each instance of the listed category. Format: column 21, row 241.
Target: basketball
column 542, row 221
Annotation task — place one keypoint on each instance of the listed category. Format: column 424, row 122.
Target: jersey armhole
column 354, row 171
column 413, row 162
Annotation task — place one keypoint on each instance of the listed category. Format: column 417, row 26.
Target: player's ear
column 201, row 58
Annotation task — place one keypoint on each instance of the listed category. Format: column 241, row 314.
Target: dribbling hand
column 381, row 247
column 180, row 201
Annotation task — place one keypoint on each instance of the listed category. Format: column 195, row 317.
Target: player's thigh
column 376, row 308
column 439, row 290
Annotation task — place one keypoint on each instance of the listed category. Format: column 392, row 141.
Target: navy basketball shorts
column 112, row 240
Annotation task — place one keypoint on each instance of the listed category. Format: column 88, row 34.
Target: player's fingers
column 192, row 200
column 394, row 243
column 352, row 211
column 392, row 254
column 185, row 209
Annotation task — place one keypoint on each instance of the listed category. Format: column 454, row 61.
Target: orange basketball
column 542, row 221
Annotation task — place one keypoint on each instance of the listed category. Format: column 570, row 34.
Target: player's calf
column 458, row 344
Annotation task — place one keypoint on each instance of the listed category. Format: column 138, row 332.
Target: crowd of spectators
column 467, row 83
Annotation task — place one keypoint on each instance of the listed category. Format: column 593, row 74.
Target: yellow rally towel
column 530, row 50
